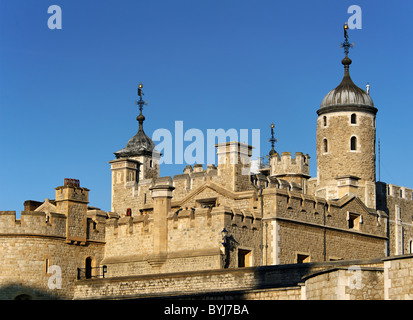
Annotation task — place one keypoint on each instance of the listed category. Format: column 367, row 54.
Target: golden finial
column 140, row 93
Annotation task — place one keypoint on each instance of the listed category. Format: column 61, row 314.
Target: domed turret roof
column 347, row 93
column 347, row 96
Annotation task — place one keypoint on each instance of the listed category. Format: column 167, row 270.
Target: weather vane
column 140, row 103
column 272, row 140
column 346, row 44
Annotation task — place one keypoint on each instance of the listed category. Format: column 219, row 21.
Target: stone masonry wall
column 397, row 202
column 398, row 277
column 194, row 241
column 339, row 158
column 247, row 282
column 25, row 263
column 298, row 224
column 29, row 246
column 351, row 283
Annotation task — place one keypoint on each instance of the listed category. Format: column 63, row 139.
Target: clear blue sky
column 67, row 96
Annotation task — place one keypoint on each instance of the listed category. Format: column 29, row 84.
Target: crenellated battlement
column 192, row 178
column 334, row 214
column 188, row 229
column 203, row 217
column 286, row 165
column 231, row 173
column 394, row 191
column 183, row 218
column 49, row 224
column 33, row 223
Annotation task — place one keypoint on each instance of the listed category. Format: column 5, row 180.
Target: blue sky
column 67, row 96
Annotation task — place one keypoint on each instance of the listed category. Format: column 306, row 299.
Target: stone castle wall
column 50, row 224
column 41, row 246
column 232, row 173
column 298, row 224
column 32, row 222
column 27, row 261
column 194, row 240
column 397, row 203
column 387, row 278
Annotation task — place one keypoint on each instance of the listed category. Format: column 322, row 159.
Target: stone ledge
column 328, row 270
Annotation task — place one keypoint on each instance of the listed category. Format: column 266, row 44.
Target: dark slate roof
column 140, row 144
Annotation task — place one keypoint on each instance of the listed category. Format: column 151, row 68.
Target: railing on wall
column 91, row 273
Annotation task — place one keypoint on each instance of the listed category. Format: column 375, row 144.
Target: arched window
column 353, row 118
column 353, row 143
column 325, row 145
column 325, row 121
column 88, row 268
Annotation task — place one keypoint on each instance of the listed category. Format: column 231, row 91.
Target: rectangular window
column 303, row 258
column 244, row 258
column 207, row 203
column 353, row 221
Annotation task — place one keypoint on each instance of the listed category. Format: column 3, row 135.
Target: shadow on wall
column 19, row 292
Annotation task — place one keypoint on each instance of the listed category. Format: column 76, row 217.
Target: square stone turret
column 295, row 170
column 72, row 200
column 234, row 165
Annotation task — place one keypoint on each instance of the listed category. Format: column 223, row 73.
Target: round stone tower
column 346, row 139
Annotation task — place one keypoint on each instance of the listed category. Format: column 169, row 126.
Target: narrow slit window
column 353, row 118
column 353, row 143
column 325, row 145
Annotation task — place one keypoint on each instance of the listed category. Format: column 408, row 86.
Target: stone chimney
column 162, row 195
